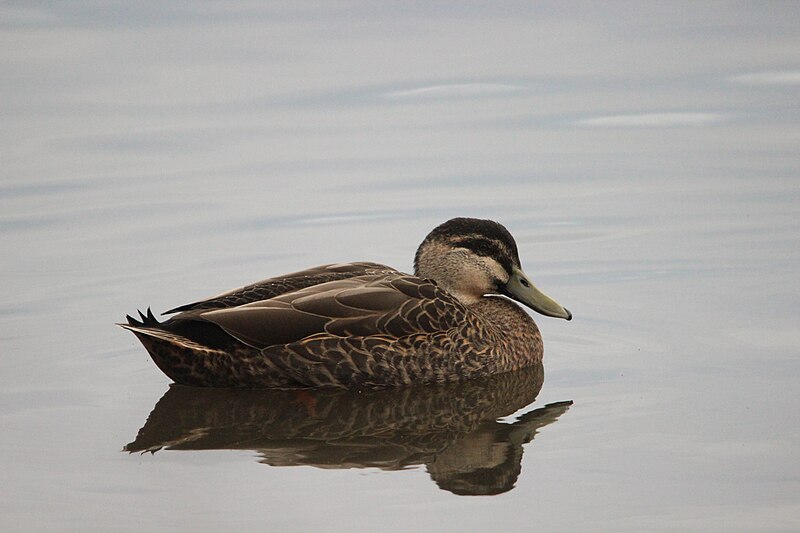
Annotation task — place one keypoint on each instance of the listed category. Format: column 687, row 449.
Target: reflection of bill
column 450, row 428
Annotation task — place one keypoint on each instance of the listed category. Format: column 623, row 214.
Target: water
column 645, row 158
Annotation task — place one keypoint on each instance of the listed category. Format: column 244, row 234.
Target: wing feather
column 272, row 287
column 386, row 306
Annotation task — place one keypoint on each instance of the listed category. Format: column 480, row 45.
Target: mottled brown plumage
column 363, row 324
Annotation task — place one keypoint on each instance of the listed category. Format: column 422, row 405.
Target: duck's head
column 470, row 258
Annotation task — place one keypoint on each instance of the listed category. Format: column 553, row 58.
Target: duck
column 363, row 324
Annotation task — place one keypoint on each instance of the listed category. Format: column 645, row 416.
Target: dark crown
column 483, row 237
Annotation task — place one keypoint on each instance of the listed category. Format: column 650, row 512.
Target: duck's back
column 272, row 287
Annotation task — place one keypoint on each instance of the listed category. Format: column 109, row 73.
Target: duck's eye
column 524, row 282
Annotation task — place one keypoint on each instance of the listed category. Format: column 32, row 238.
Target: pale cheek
column 494, row 271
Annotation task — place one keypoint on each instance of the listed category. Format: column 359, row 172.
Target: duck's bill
column 521, row 289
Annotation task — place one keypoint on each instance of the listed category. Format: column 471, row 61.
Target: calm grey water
column 646, row 157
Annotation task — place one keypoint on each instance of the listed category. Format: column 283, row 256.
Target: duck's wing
column 272, row 287
column 381, row 306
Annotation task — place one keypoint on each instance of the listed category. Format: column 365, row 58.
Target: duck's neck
column 517, row 329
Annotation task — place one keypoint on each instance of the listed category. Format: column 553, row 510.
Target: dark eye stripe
column 480, row 246
column 487, row 248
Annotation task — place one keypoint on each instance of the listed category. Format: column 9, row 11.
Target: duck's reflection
column 451, row 428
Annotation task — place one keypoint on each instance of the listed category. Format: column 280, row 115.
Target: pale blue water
column 644, row 156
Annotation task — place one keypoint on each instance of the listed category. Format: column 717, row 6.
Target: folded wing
column 391, row 306
column 272, row 287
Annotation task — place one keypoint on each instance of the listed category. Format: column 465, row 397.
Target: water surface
column 645, row 158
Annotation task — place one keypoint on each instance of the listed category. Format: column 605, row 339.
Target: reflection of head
column 488, row 460
column 496, row 472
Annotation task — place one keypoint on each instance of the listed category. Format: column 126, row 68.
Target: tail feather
column 148, row 335
column 149, row 326
column 145, row 320
column 182, row 359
